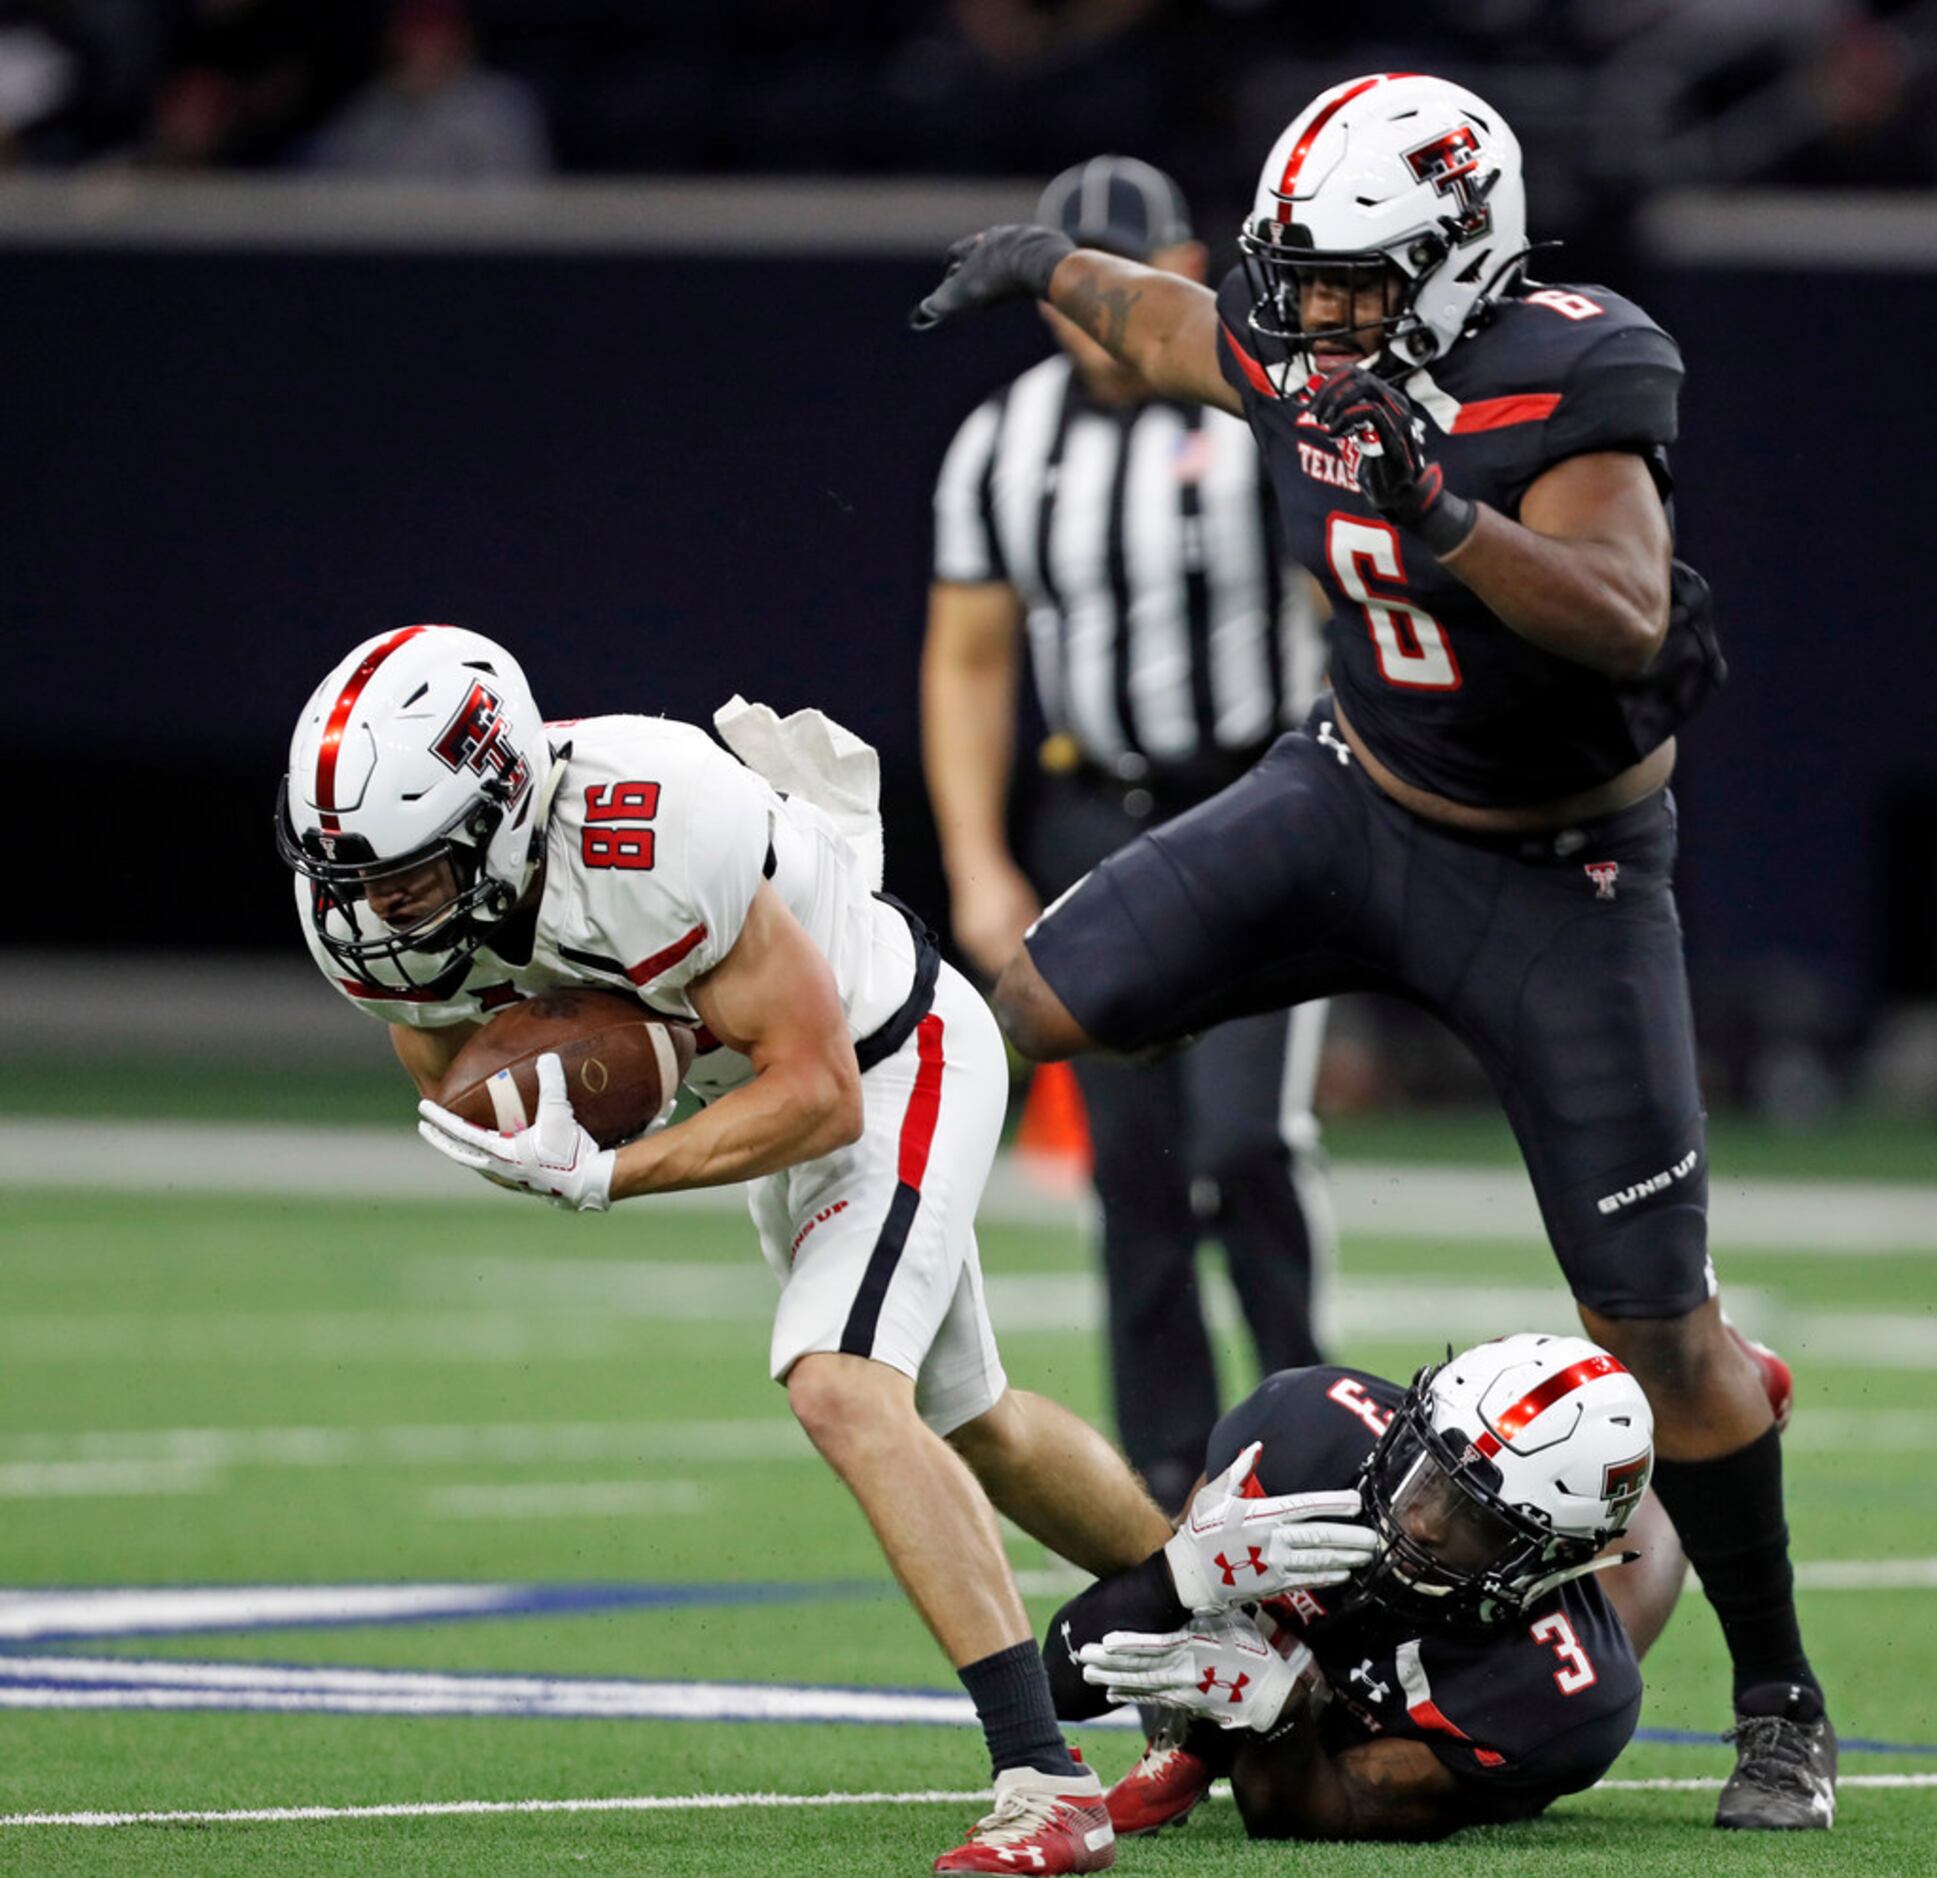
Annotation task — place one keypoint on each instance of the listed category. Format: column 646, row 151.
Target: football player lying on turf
column 454, row 853
column 1381, row 1617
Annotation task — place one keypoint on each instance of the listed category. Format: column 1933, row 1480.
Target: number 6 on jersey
column 1414, row 652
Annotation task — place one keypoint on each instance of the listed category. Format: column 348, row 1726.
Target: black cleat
column 1785, row 1763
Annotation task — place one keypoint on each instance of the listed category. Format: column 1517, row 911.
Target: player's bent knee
column 845, row 1403
column 1033, row 1017
column 1674, row 1355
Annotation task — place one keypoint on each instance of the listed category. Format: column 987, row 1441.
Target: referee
column 1130, row 539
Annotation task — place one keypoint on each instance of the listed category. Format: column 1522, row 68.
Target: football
column 621, row 1062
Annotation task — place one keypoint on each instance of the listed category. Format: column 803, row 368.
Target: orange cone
column 1053, row 1140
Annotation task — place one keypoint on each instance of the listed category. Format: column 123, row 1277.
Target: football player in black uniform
column 1379, row 1616
column 1477, row 819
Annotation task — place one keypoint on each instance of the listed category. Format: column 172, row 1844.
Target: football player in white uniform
column 454, row 853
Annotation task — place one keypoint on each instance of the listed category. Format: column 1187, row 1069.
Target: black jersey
column 1530, row 1709
column 1444, row 693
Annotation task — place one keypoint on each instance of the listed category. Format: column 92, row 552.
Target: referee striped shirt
column 1163, row 623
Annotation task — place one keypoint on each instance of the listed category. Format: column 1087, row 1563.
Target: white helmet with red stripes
column 1394, row 180
column 422, row 750
column 1503, row 1473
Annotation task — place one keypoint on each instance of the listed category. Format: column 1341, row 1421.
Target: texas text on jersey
column 1530, row 1709
column 1443, row 693
column 657, row 841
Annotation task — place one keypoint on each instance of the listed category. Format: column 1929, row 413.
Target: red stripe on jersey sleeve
column 1258, row 378
column 648, row 969
column 1529, row 407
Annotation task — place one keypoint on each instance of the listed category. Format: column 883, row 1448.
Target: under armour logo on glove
column 1254, row 1563
column 1221, row 1667
column 1284, row 1543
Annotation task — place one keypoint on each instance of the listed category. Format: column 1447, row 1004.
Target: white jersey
column 657, row 842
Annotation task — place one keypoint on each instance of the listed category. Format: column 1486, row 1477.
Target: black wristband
column 1034, row 254
column 1445, row 524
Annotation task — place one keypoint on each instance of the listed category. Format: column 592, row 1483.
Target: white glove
column 1230, row 1550
column 1220, row 1667
column 553, row 1156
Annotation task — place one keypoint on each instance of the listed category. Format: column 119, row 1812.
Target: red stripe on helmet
column 1536, row 1402
column 339, row 720
column 1302, row 148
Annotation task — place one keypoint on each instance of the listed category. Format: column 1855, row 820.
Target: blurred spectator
column 1870, row 105
column 1018, row 85
column 255, row 77
column 434, row 110
column 76, row 75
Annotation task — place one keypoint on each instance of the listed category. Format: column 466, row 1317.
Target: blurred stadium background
column 582, row 322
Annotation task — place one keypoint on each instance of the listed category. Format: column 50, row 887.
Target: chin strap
column 1554, row 1580
column 541, row 813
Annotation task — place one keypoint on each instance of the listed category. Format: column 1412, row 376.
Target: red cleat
column 1778, row 1380
column 1161, row 1789
column 1041, row 1823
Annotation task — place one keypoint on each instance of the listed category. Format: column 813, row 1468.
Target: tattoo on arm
column 1103, row 312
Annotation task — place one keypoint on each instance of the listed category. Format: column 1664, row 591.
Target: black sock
column 1728, row 1514
column 1011, row 1696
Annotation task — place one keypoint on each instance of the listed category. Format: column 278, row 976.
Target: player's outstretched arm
column 773, row 998
column 1160, row 323
column 1291, row 1788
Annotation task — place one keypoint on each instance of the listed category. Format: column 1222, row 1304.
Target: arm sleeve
column 967, row 547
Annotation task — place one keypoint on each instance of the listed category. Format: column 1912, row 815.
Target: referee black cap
column 1116, row 203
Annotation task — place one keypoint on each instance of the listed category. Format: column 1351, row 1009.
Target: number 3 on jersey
column 1414, row 652
column 1576, row 1672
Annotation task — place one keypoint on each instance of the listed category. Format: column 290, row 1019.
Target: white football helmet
column 1503, row 1473
column 423, row 745
column 1393, row 177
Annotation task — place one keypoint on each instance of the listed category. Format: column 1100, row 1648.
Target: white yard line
column 709, row 1802
column 566, row 1499
column 26, row 1614
column 1824, row 1218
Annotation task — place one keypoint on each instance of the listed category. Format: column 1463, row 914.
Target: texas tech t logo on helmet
column 475, row 739
column 1451, row 164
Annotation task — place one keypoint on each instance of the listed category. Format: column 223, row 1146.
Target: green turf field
column 198, row 1390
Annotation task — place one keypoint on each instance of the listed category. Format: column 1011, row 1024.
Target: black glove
column 1395, row 474
column 1013, row 262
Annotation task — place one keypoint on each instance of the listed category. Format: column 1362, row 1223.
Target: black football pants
column 1557, row 958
